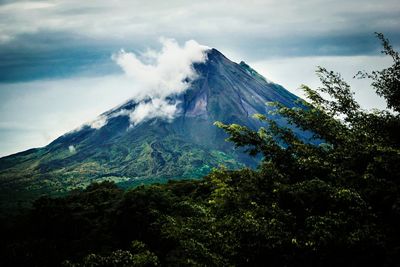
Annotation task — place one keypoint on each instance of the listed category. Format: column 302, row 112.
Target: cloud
column 217, row 19
column 71, row 149
column 163, row 73
column 152, row 109
column 99, row 122
column 159, row 75
column 76, row 33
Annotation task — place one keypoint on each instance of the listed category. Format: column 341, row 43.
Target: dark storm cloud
column 61, row 38
column 50, row 55
column 325, row 45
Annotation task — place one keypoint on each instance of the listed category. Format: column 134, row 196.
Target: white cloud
column 71, row 149
column 153, row 75
column 154, row 108
column 159, row 75
column 171, row 67
column 99, row 122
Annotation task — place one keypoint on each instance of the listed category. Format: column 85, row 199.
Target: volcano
column 154, row 150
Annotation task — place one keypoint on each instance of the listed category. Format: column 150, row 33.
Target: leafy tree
column 343, row 194
column 139, row 256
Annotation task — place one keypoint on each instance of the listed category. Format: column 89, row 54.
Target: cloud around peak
column 160, row 74
column 156, row 75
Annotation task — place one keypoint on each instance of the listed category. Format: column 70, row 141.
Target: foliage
column 344, row 192
column 386, row 82
column 120, row 258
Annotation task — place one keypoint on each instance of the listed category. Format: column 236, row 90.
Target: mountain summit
column 129, row 148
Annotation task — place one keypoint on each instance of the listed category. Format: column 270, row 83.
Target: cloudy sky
column 57, row 71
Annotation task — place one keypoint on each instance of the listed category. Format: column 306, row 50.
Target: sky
column 57, row 58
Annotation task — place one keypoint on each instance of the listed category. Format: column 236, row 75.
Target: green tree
column 341, row 195
column 138, row 256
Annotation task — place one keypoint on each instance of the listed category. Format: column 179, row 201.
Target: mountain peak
column 183, row 143
column 215, row 53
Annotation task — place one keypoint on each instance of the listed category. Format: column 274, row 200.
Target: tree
column 138, row 256
column 343, row 192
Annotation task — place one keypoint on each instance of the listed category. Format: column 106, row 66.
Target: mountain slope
column 187, row 146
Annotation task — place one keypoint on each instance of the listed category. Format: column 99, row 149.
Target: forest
column 335, row 202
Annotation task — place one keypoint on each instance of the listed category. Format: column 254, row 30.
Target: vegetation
column 335, row 203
